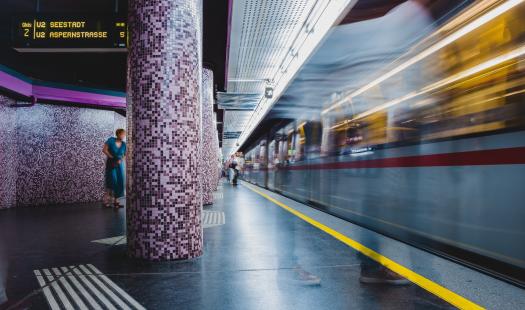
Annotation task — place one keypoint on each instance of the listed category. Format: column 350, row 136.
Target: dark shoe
column 382, row 276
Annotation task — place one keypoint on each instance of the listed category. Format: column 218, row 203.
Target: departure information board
column 58, row 33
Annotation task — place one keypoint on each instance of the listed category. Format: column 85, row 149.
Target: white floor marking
column 116, row 288
column 84, row 288
column 93, row 289
column 63, row 280
column 47, row 292
column 104, row 288
column 61, row 296
column 117, row 240
column 213, row 218
column 81, row 289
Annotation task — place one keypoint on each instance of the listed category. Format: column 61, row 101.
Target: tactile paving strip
column 82, row 287
column 213, row 218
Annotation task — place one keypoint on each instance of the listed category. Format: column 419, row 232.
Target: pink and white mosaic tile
column 164, row 78
column 209, row 160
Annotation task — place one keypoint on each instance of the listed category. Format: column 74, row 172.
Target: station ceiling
column 260, row 36
column 257, row 40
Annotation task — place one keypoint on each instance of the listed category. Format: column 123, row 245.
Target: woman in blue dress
column 115, row 150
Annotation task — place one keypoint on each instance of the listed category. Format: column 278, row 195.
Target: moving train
column 430, row 150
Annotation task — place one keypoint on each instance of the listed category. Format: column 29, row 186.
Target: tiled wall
column 57, row 153
column 60, row 156
column 209, row 153
column 164, row 198
column 8, row 153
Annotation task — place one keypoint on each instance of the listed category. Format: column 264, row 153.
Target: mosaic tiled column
column 164, row 197
column 217, row 151
column 208, row 151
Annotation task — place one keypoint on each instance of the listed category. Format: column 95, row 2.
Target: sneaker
column 306, row 278
column 382, row 276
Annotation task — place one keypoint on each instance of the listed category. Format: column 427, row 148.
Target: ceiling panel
column 260, row 34
column 234, row 121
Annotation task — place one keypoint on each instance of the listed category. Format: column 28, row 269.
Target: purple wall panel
column 164, row 77
column 209, row 160
column 59, row 153
column 15, row 84
column 66, row 95
column 26, row 88
column 8, row 153
column 51, row 154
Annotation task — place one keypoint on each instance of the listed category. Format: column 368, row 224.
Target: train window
column 283, row 149
column 290, row 146
column 248, row 159
column 256, row 157
column 313, row 134
column 275, row 152
column 473, row 86
column 272, row 155
column 299, row 142
column 263, row 153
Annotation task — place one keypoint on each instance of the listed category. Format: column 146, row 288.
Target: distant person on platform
column 115, row 150
column 234, row 173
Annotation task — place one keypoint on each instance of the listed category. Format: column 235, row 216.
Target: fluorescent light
column 454, row 78
column 317, row 24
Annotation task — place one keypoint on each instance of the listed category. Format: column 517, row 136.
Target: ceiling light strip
column 447, row 81
column 316, row 28
column 432, row 49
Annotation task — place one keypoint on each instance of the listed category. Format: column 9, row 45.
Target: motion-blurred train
column 430, row 149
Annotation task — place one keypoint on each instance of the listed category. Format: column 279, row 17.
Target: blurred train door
column 263, row 155
column 313, row 133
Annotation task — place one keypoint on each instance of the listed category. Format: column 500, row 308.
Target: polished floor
column 257, row 256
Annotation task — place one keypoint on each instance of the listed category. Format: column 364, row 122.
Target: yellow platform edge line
column 426, row 284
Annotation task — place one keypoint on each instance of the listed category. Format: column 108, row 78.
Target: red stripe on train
column 507, row 156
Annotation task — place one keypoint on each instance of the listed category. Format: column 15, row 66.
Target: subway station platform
column 262, row 251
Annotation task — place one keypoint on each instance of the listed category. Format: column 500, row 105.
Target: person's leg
column 115, row 189
column 119, row 184
column 371, row 271
column 235, row 175
column 108, row 187
column 107, row 199
column 3, row 271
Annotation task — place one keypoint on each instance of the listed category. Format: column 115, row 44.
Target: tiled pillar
column 164, row 197
column 217, row 151
column 208, row 152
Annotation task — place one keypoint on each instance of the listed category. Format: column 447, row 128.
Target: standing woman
column 115, row 150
